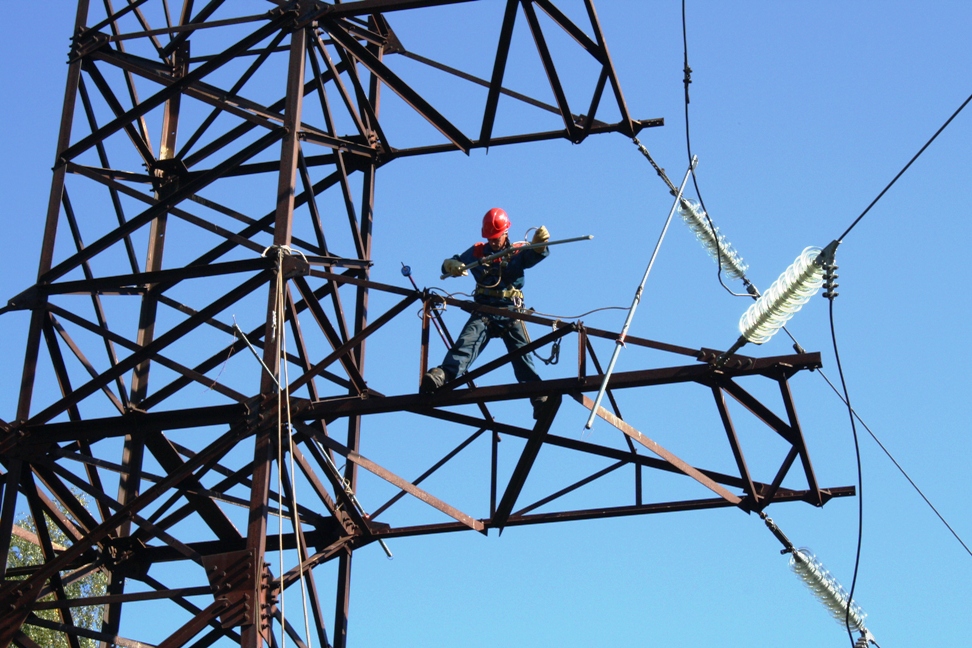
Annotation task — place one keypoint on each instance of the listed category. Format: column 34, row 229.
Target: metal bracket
column 167, row 175
column 125, row 557
column 233, row 578
column 27, row 300
column 711, row 356
column 295, row 266
column 85, row 42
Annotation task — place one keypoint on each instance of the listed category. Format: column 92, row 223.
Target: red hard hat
column 495, row 223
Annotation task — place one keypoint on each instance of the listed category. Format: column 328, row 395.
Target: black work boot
column 538, row 402
column 432, row 380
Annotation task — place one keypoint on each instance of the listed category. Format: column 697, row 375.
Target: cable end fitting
column 826, row 260
column 722, row 359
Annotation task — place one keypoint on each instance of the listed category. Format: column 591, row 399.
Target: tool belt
column 509, row 293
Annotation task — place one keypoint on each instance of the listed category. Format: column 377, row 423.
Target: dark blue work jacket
column 501, row 275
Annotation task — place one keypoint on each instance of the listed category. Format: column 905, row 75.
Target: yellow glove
column 454, row 268
column 541, row 236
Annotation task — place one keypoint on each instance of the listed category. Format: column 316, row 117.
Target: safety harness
column 513, row 294
column 516, row 296
column 510, row 293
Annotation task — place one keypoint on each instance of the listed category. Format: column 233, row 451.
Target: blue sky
column 800, row 114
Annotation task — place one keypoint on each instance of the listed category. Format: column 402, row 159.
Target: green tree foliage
column 26, row 552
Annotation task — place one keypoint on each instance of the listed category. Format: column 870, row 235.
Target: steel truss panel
column 191, row 494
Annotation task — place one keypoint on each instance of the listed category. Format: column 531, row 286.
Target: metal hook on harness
column 554, row 349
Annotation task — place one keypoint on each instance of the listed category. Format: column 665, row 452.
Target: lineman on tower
column 498, row 284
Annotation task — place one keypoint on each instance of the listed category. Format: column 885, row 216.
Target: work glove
column 541, row 235
column 454, row 268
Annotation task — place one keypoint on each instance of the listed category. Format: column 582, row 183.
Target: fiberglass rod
column 637, row 297
column 514, row 249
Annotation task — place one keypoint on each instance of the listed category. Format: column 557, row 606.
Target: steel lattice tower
column 213, row 195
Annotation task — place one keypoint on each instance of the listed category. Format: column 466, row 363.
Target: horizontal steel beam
column 370, row 403
column 608, row 512
column 331, row 409
column 365, row 7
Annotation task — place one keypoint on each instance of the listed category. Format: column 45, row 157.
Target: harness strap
column 509, row 293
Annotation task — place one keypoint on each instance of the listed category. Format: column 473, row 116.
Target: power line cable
column 853, row 413
column 846, row 398
column 887, row 452
column 860, row 478
column 687, row 80
column 905, row 168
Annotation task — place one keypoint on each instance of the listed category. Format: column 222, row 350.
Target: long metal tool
column 513, row 249
column 637, row 298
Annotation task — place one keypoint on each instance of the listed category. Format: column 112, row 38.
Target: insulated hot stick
column 637, row 300
column 513, row 250
column 714, row 242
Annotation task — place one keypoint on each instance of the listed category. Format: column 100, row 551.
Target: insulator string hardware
column 822, row 584
column 712, row 239
column 829, row 591
column 660, row 171
column 830, row 280
column 785, row 297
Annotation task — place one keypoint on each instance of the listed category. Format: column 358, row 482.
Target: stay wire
column 905, row 168
column 860, row 479
column 846, row 397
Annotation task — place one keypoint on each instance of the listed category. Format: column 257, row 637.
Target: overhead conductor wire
column 850, row 409
column 686, row 81
column 831, row 596
column 860, row 478
column 830, row 294
column 905, row 168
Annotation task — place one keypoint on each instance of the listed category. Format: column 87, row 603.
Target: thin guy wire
column 229, row 354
